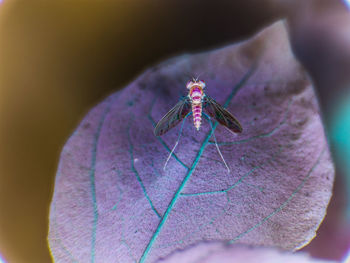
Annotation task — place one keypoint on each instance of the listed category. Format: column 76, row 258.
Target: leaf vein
column 190, row 171
column 92, row 179
column 236, row 183
column 133, row 168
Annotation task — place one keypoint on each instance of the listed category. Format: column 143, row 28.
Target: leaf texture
column 113, row 202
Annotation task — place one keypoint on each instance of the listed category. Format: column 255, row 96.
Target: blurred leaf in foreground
column 218, row 252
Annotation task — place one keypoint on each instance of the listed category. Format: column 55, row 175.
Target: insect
column 198, row 104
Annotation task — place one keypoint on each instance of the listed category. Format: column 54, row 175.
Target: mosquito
column 198, row 104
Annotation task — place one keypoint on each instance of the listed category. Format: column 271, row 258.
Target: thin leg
column 177, row 141
column 217, row 146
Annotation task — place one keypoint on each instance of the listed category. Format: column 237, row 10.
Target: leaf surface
column 113, row 202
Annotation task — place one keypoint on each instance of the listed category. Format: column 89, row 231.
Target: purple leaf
column 215, row 252
column 113, row 202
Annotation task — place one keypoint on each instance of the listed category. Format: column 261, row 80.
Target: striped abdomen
column 197, row 114
column 196, row 94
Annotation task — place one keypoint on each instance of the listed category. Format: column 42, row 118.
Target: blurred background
column 59, row 58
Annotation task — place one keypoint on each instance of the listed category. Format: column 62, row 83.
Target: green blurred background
column 60, row 58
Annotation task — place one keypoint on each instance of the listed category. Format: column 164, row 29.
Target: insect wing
column 173, row 117
column 219, row 113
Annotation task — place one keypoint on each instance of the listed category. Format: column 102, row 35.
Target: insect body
column 195, row 102
column 196, row 95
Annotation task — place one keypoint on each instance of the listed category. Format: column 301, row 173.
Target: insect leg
column 177, row 141
column 216, row 144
